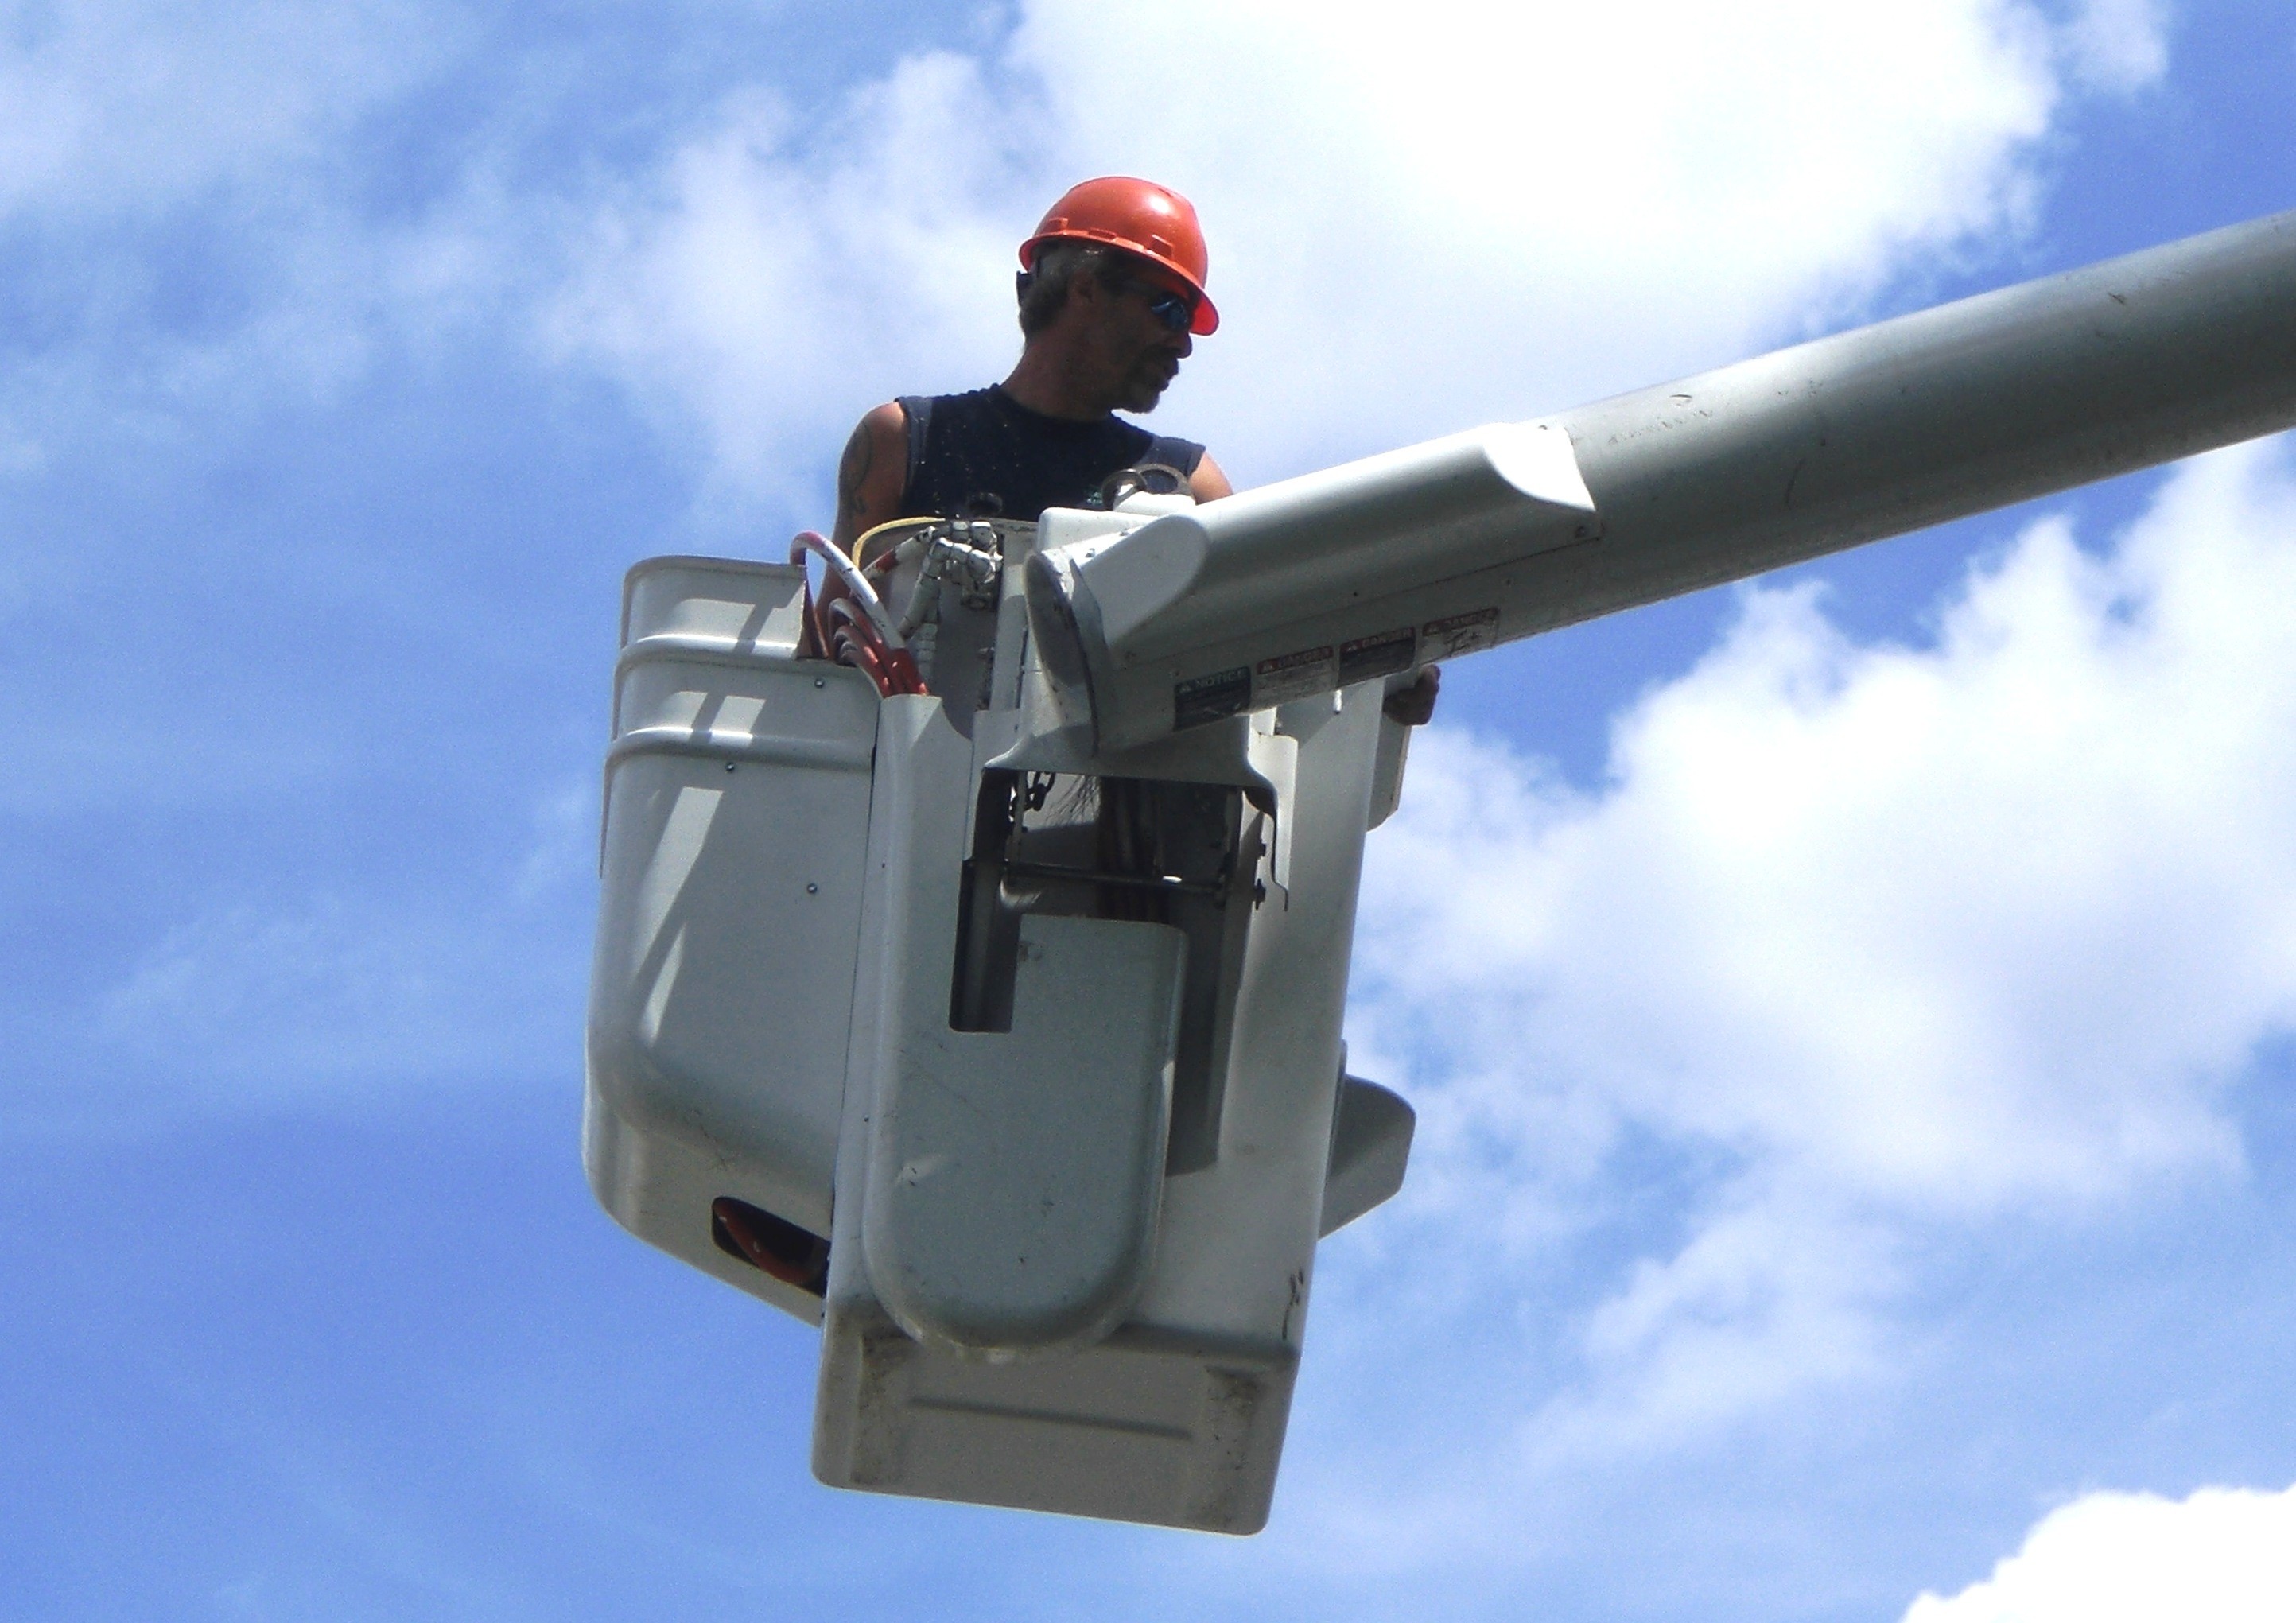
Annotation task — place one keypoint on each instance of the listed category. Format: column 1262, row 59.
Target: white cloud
column 2224, row 1556
column 203, row 213
column 108, row 107
column 2121, row 44
column 1490, row 212
column 265, row 1000
column 774, row 276
column 267, row 1005
column 1862, row 941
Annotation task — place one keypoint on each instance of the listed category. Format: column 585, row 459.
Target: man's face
column 1137, row 352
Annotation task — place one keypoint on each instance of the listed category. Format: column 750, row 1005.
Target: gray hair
column 1045, row 289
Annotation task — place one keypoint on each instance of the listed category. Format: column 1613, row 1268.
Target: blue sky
column 1851, row 1017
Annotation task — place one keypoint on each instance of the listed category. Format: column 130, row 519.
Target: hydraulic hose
column 868, row 639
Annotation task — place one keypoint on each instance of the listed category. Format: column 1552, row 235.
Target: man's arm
column 872, row 475
column 1208, row 483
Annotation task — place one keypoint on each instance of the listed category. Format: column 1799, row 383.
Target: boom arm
column 1506, row 531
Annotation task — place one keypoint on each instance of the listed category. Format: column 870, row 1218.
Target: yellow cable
column 861, row 547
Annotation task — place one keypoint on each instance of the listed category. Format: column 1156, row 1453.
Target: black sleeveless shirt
column 984, row 455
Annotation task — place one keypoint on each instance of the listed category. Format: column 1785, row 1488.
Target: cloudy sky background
column 1852, row 1017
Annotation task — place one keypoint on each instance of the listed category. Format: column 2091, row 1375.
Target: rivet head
column 813, row 890
column 821, row 681
column 729, row 765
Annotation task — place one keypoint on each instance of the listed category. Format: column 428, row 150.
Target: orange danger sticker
column 1381, row 655
column 1293, row 676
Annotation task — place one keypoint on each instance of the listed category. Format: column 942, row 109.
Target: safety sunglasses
column 1177, row 311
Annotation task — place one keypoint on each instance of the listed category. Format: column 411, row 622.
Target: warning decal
column 1203, row 699
column 1293, row 676
column 1461, row 634
column 1381, row 655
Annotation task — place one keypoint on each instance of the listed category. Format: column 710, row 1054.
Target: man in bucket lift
column 1111, row 289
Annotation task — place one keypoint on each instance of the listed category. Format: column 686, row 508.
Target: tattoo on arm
column 852, row 472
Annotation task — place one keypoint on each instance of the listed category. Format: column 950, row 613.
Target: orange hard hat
column 1138, row 216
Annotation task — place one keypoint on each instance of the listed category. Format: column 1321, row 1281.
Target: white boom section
column 1506, row 531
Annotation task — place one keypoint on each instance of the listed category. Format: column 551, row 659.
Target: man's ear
column 1086, row 288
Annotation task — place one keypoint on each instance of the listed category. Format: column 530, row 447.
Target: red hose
column 853, row 628
column 856, row 642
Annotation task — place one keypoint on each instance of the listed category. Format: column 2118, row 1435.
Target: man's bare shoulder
column 1208, row 483
column 890, row 418
column 872, row 475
